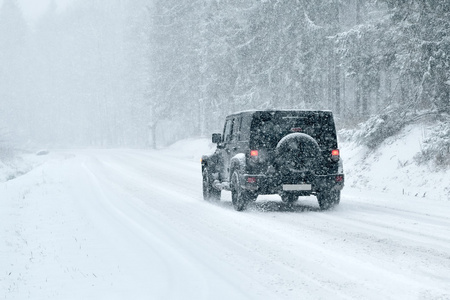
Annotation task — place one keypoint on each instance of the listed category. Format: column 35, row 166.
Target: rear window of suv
column 268, row 128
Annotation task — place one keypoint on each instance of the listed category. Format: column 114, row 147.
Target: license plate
column 296, row 187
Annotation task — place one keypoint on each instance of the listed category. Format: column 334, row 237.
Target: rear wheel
column 239, row 197
column 209, row 191
column 328, row 199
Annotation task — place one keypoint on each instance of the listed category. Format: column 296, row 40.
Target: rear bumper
column 264, row 184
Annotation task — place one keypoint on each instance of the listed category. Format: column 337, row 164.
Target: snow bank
column 392, row 167
column 191, row 149
column 19, row 163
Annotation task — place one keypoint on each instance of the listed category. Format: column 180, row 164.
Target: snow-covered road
column 131, row 224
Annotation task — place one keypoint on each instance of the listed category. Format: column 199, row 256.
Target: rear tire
column 239, row 197
column 328, row 199
column 210, row 193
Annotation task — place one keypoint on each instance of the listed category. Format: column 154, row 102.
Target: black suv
column 287, row 152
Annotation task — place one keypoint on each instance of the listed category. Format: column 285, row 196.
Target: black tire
column 328, row 199
column 289, row 198
column 239, row 197
column 210, row 193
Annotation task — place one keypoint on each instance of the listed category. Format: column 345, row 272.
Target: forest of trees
column 135, row 72
column 357, row 58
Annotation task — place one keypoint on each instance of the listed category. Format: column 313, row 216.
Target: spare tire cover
column 297, row 152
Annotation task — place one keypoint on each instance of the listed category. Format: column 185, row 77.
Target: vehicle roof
column 251, row 112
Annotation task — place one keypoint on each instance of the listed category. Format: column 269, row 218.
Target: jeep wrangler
column 287, row 152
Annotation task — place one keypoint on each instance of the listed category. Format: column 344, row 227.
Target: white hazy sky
column 33, row 9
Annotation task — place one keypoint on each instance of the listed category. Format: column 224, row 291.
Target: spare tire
column 298, row 155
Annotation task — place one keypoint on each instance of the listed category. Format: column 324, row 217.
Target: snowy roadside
column 191, row 149
column 18, row 163
column 392, row 168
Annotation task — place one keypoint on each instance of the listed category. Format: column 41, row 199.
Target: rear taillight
column 251, row 179
column 335, row 154
column 254, row 153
